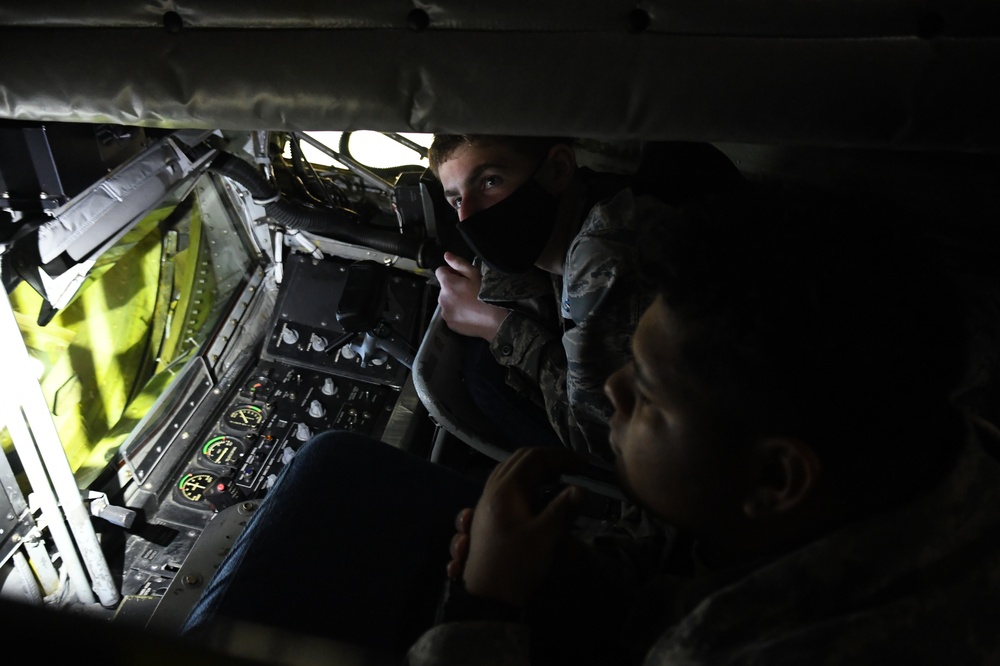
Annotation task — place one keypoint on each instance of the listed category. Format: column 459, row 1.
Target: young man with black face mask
column 560, row 288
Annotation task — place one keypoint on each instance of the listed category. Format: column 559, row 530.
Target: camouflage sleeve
column 535, row 355
column 604, row 296
column 535, row 358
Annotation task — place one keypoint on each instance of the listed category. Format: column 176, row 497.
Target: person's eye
column 491, row 181
column 456, row 203
column 640, row 398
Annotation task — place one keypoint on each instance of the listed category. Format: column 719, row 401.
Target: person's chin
column 626, row 487
column 620, row 477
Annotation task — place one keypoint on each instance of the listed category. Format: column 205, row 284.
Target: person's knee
column 334, row 446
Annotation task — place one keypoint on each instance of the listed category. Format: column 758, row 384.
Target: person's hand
column 460, row 543
column 505, row 547
column 461, row 308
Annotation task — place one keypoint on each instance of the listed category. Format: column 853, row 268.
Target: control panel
column 334, row 354
column 278, row 408
column 314, row 374
column 338, row 317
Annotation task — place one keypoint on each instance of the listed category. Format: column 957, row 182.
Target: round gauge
column 244, row 417
column 259, row 388
column 193, row 485
column 223, row 450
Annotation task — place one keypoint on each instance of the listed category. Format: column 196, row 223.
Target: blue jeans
column 351, row 544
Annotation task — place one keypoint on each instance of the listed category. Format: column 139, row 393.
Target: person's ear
column 560, row 167
column 786, row 474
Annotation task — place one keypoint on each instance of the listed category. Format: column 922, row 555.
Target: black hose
column 337, row 223
column 245, row 174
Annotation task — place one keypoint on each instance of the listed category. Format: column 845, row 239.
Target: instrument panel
column 277, row 409
column 312, row 375
column 246, row 426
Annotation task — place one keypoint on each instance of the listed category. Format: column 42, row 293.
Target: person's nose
column 618, row 389
column 470, row 206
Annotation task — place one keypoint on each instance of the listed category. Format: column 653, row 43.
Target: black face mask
column 510, row 235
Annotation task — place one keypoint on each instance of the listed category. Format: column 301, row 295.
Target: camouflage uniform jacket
column 560, row 359
column 918, row 583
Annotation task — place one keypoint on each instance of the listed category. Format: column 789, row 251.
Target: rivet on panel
column 418, row 20
column 173, row 22
column 638, row 20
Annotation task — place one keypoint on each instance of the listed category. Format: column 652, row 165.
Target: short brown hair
column 445, row 145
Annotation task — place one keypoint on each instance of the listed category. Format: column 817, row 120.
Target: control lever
column 361, row 310
column 102, row 508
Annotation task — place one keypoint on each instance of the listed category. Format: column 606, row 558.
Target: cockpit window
column 372, row 149
column 149, row 303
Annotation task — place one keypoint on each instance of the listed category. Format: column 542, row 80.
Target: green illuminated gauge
column 244, row 417
column 193, row 485
column 223, row 450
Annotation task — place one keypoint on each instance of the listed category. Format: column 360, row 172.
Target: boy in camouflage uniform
column 561, row 287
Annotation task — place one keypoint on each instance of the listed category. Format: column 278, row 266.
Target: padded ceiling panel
column 890, row 74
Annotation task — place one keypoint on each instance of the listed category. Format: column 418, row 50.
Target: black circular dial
column 259, row 388
column 244, row 417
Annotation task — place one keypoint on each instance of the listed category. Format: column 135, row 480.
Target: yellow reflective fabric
column 96, row 356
